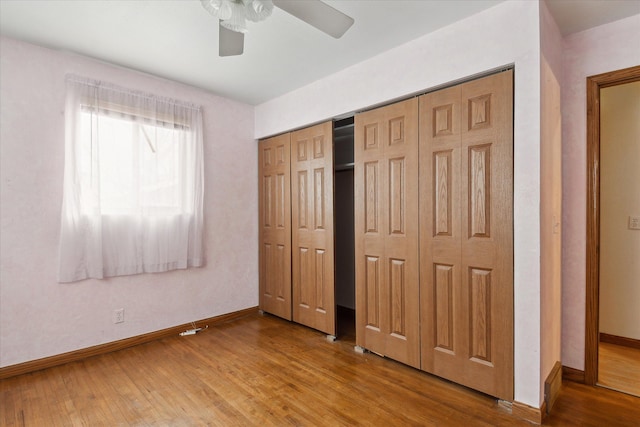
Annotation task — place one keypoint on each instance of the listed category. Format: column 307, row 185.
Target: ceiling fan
column 232, row 15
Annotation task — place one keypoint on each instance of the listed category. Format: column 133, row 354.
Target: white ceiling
column 178, row 39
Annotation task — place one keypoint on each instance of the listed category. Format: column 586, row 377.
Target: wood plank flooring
column 619, row 368
column 261, row 370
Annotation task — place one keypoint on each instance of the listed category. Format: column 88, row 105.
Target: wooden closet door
column 386, row 228
column 466, row 170
column 312, row 223
column 275, row 225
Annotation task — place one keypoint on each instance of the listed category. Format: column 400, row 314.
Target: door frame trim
column 594, row 84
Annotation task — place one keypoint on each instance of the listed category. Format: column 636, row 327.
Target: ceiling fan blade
column 231, row 42
column 318, row 14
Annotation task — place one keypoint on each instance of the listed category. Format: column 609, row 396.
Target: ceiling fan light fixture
column 237, row 20
column 221, row 9
column 233, row 13
column 258, row 10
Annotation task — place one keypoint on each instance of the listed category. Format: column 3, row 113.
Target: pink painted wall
column 606, row 48
column 40, row 317
column 551, row 194
column 508, row 33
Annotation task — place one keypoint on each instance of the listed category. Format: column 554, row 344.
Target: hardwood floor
column 619, row 368
column 261, row 370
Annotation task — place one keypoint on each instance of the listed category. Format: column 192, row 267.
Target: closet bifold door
column 466, row 234
column 312, row 227
column 275, row 225
column 386, row 231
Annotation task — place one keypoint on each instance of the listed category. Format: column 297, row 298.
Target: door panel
column 487, row 243
column 386, row 177
column 275, row 226
column 440, row 230
column 313, row 263
column 466, row 164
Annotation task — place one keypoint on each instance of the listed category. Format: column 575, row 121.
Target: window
column 133, row 183
column 139, row 167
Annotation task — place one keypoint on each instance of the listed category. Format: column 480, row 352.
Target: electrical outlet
column 118, row 315
column 634, row 222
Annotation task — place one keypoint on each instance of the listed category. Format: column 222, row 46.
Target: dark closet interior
column 343, row 134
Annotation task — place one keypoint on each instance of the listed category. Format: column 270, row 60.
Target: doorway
column 612, row 343
column 343, row 135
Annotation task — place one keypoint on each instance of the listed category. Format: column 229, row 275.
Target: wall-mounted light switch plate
column 634, row 222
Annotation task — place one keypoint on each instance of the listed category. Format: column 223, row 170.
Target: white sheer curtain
column 133, row 183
